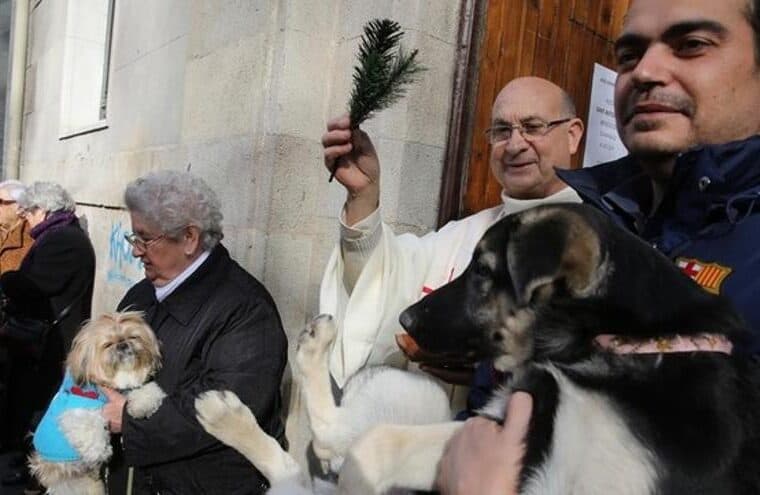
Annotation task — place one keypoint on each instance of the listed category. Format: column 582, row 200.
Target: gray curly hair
column 46, row 196
column 173, row 200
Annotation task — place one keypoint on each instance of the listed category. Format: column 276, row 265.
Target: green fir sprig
column 383, row 72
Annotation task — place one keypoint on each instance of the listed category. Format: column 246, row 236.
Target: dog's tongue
column 407, row 344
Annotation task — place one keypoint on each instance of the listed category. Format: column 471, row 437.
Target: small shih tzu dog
column 115, row 350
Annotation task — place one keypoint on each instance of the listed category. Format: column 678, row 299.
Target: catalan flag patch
column 709, row 275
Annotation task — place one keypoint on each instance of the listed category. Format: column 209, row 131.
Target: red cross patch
column 709, row 275
column 427, row 290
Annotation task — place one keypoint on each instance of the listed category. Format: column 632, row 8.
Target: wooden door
column 559, row 40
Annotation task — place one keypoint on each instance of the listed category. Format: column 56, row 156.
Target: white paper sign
column 602, row 141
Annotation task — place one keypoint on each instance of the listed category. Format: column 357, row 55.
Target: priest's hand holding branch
column 358, row 168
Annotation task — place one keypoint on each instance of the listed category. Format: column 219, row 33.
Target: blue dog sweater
column 49, row 440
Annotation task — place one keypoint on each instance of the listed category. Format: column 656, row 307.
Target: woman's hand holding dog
column 485, row 458
column 114, row 409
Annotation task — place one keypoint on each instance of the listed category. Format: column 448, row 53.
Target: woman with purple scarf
column 53, row 283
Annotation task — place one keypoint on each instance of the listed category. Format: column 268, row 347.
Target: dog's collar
column 125, row 391
column 702, row 342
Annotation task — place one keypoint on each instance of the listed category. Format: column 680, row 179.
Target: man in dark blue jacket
column 707, row 221
column 687, row 104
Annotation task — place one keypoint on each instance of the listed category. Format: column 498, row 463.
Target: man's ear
column 575, row 130
column 552, row 246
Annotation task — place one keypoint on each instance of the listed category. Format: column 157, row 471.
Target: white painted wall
column 238, row 91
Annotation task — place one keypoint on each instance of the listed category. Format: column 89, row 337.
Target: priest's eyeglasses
column 530, row 131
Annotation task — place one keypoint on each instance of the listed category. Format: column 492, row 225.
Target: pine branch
column 381, row 76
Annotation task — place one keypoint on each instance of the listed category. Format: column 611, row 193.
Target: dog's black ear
column 553, row 247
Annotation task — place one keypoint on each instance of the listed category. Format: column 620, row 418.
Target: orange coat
column 14, row 247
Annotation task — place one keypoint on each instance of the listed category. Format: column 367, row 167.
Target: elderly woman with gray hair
column 219, row 329
column 53, row 283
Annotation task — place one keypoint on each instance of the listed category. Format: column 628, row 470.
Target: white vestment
column 399, row 270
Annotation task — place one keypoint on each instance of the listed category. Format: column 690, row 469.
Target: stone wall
column 238, row 91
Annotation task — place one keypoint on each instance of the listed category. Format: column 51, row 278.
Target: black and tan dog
column 628, row 360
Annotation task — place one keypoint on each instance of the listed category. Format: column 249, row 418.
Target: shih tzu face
column 116, row 350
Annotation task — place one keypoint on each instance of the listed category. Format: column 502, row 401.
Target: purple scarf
column 54, row 221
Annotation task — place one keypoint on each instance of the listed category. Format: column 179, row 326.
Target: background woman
column 54, row 282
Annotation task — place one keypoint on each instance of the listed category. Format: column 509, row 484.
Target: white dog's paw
column 326, row 456
column 80, row 485
column 314, row 341
column 144, row 401
column 87, row 431
column 223, row 415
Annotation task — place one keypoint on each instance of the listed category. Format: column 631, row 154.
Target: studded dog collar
column 702, row 342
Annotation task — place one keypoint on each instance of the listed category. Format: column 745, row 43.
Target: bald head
column 524, row 163
column 531, row 88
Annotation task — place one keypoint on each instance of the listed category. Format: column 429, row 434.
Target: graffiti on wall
column 123, row 268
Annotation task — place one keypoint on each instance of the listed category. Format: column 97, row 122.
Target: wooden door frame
column 472, row 17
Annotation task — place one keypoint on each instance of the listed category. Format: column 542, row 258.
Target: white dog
column 374, row 396
column 116, row 350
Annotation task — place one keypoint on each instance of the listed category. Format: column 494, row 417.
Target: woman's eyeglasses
column 142, row 244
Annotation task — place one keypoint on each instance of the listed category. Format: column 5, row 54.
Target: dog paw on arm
column 144, row 401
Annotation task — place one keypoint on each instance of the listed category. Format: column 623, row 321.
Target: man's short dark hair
column 752, row 13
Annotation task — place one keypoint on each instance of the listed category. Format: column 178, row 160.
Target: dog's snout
column 122, row 346
column 407, row 320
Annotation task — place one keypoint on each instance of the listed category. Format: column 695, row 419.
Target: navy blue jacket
column 708, row 222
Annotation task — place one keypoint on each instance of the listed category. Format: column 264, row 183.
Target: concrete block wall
column 238, row 91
